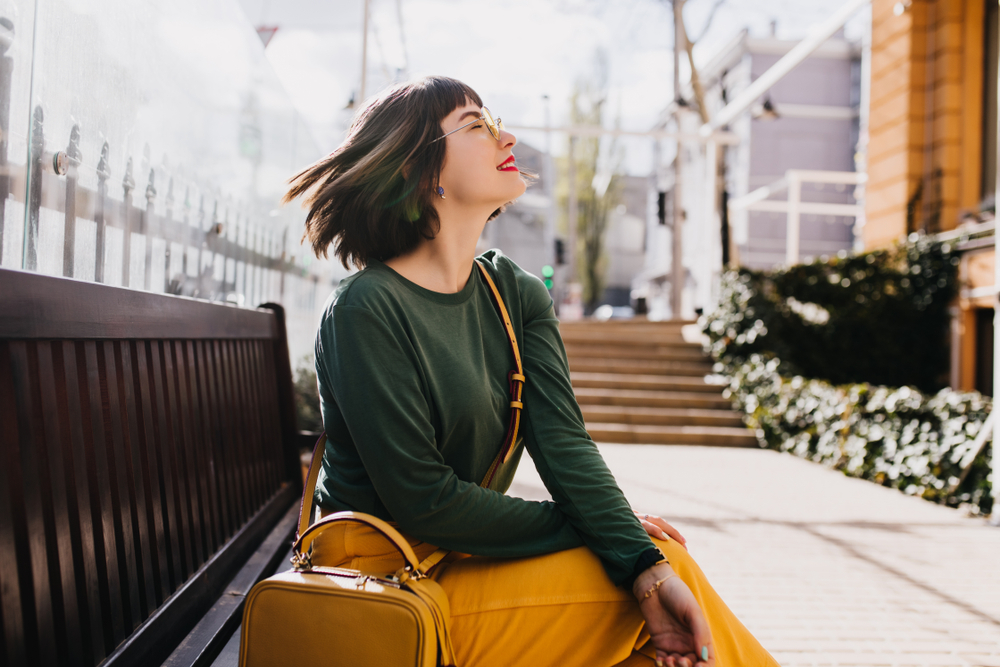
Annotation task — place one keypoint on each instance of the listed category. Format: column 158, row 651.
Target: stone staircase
column 640, row 382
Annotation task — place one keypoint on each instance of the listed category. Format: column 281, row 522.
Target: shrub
column 879, row 317
column 842, row 361
column 307, row 396
column 896, row 437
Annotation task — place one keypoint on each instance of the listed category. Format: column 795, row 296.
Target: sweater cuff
column 646, row 560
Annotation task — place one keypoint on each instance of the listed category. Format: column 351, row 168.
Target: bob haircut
column 373, row 196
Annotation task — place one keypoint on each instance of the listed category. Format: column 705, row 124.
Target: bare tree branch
column 699, row 91
column 711, row 17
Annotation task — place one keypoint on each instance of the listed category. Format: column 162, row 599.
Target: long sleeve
column 373, row 374
column 567, row 460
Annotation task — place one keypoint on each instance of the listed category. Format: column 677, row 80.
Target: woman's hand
column 676, row 626
column 660, row 529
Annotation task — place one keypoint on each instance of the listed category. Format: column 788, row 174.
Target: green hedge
column 307, row 396
column 879, row 317
column 842, row 361
column 896, row 437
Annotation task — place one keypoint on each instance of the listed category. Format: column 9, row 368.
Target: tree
column 597, row 162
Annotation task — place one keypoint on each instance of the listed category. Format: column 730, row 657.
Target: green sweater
column 413, row 389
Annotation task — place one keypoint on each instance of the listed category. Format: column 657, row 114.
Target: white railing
column 794, row 207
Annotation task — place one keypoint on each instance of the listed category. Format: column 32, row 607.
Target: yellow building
column 932, row 149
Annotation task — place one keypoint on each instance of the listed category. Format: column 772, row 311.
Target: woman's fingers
column 704, row 649
column 676, row 660
column 656, row 527
column 689, row 642
column 653, row 530
column 668, row 529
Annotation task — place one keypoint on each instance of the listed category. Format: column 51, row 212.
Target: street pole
column 571, row 217
column 677, row 262
column 364, row 56
column 550, row 214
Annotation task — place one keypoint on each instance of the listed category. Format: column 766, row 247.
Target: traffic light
column 547, row 273
column 560, row 252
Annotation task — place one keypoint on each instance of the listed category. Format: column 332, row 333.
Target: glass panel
column 150, row 143
column 16, row 28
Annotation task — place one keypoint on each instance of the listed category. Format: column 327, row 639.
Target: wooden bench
column 149, row 473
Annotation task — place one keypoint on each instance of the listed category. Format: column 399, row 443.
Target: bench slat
column 51, row 395
column 209, row 637
column 79, row 493
column 146, row 441
column 38, row 306
column 11, row 607
column 157, row 638
column 138, row 486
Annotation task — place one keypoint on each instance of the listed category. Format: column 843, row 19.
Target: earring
column 440, row 192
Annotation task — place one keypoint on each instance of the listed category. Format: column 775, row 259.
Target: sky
column 514, row 53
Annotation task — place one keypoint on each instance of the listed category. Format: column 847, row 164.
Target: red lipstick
column 508, row 165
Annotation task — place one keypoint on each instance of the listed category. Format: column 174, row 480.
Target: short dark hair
column 372, row 196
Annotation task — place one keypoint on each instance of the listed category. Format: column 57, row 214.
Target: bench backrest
column 140, row 434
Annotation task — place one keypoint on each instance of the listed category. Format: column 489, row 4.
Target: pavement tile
column 822, row 568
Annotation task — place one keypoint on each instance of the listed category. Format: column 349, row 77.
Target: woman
column 412, row 363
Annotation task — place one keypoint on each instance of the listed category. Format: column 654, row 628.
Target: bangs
column 446, row 95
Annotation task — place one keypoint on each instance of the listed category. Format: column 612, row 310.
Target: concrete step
column 651, row 399
column 648, row 352
column 626, row 338
column 620, row 414
column 635, row 324
column 647, row 382
column 721, row 436
column 692, row 368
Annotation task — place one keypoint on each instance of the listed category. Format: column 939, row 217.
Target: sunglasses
column 494, row 126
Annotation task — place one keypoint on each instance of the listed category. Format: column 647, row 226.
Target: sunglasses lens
column 491, row 124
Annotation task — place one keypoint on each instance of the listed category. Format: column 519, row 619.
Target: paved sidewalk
column 823, row 569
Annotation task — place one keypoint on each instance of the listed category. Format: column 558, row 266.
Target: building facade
column 809, row 120
column 932, row 151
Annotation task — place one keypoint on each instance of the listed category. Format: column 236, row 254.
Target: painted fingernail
column 664, row 537
column 704, row 653
column 659, row 663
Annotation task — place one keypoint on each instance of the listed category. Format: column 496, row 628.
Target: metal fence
column 121, row 216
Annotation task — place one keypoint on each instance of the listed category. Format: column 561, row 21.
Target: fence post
column 30, row 262
column 792, row 228
column 255, row 254
column 212, row 241
column 187, row 233
column 202, row 240
column 128, row 184
column 103, row 174
column 69, row 220
column 168, row 215
column 147, row 230
column 6, row 68
column 284, row 259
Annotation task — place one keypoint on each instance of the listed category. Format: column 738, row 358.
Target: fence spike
column 72, row 162
column 37, row 147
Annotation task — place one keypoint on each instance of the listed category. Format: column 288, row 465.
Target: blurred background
column 766, row 226
column 188, row 117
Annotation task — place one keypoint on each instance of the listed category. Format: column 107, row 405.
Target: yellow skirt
column 556, row 609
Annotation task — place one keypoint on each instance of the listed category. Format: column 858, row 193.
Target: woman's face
column 478, row 169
